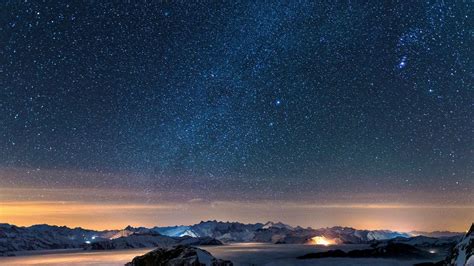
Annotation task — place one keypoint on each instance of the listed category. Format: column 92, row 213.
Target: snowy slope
column 464, row 250
column 179, row 230
column 14, row 238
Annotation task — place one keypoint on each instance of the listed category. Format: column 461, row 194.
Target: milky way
column 236, row 100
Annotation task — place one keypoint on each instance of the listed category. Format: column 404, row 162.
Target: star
column 174, row 95
column 403, row 62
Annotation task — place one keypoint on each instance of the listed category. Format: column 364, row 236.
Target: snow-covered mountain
column 277, row 225
column 179, row 255
column 299, row 235
column 148, row 240
column 129, row 230
column 463, row 252
column 223, row 231
column 15, row 239
column 180, row 230
column 275, row 232
column 39, row 237
column 351, row 235
column 226, row 231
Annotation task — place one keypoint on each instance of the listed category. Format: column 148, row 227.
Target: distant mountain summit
column 277, row 225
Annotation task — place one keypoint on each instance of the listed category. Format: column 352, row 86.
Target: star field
column 238, row 99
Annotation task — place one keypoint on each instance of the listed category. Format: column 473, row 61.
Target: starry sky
column 181, row 103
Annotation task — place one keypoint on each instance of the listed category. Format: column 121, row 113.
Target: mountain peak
column 128, row 228
column 471, row 230
column 280, row 225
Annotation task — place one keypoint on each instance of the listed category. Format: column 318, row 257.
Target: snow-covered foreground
column 240, row 254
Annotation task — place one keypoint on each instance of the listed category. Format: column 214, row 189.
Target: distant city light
column 321, row 240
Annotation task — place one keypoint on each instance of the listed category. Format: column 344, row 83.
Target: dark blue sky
column 294, row 98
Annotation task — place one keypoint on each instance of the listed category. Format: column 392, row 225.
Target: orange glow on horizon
column 89, row 209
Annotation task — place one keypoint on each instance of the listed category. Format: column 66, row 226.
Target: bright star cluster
column 239, row 100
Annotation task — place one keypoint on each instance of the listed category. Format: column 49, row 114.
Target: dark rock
column 337, row 253
column 439, row 263
column 178, row 256
column 391, row 250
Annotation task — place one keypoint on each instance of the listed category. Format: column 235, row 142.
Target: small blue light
column 403, row 62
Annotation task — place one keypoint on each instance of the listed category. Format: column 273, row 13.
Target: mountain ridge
column 42, row 237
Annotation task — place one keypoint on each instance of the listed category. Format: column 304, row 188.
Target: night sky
column 205, row 101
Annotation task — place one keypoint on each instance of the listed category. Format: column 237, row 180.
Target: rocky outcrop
column 178, row 256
